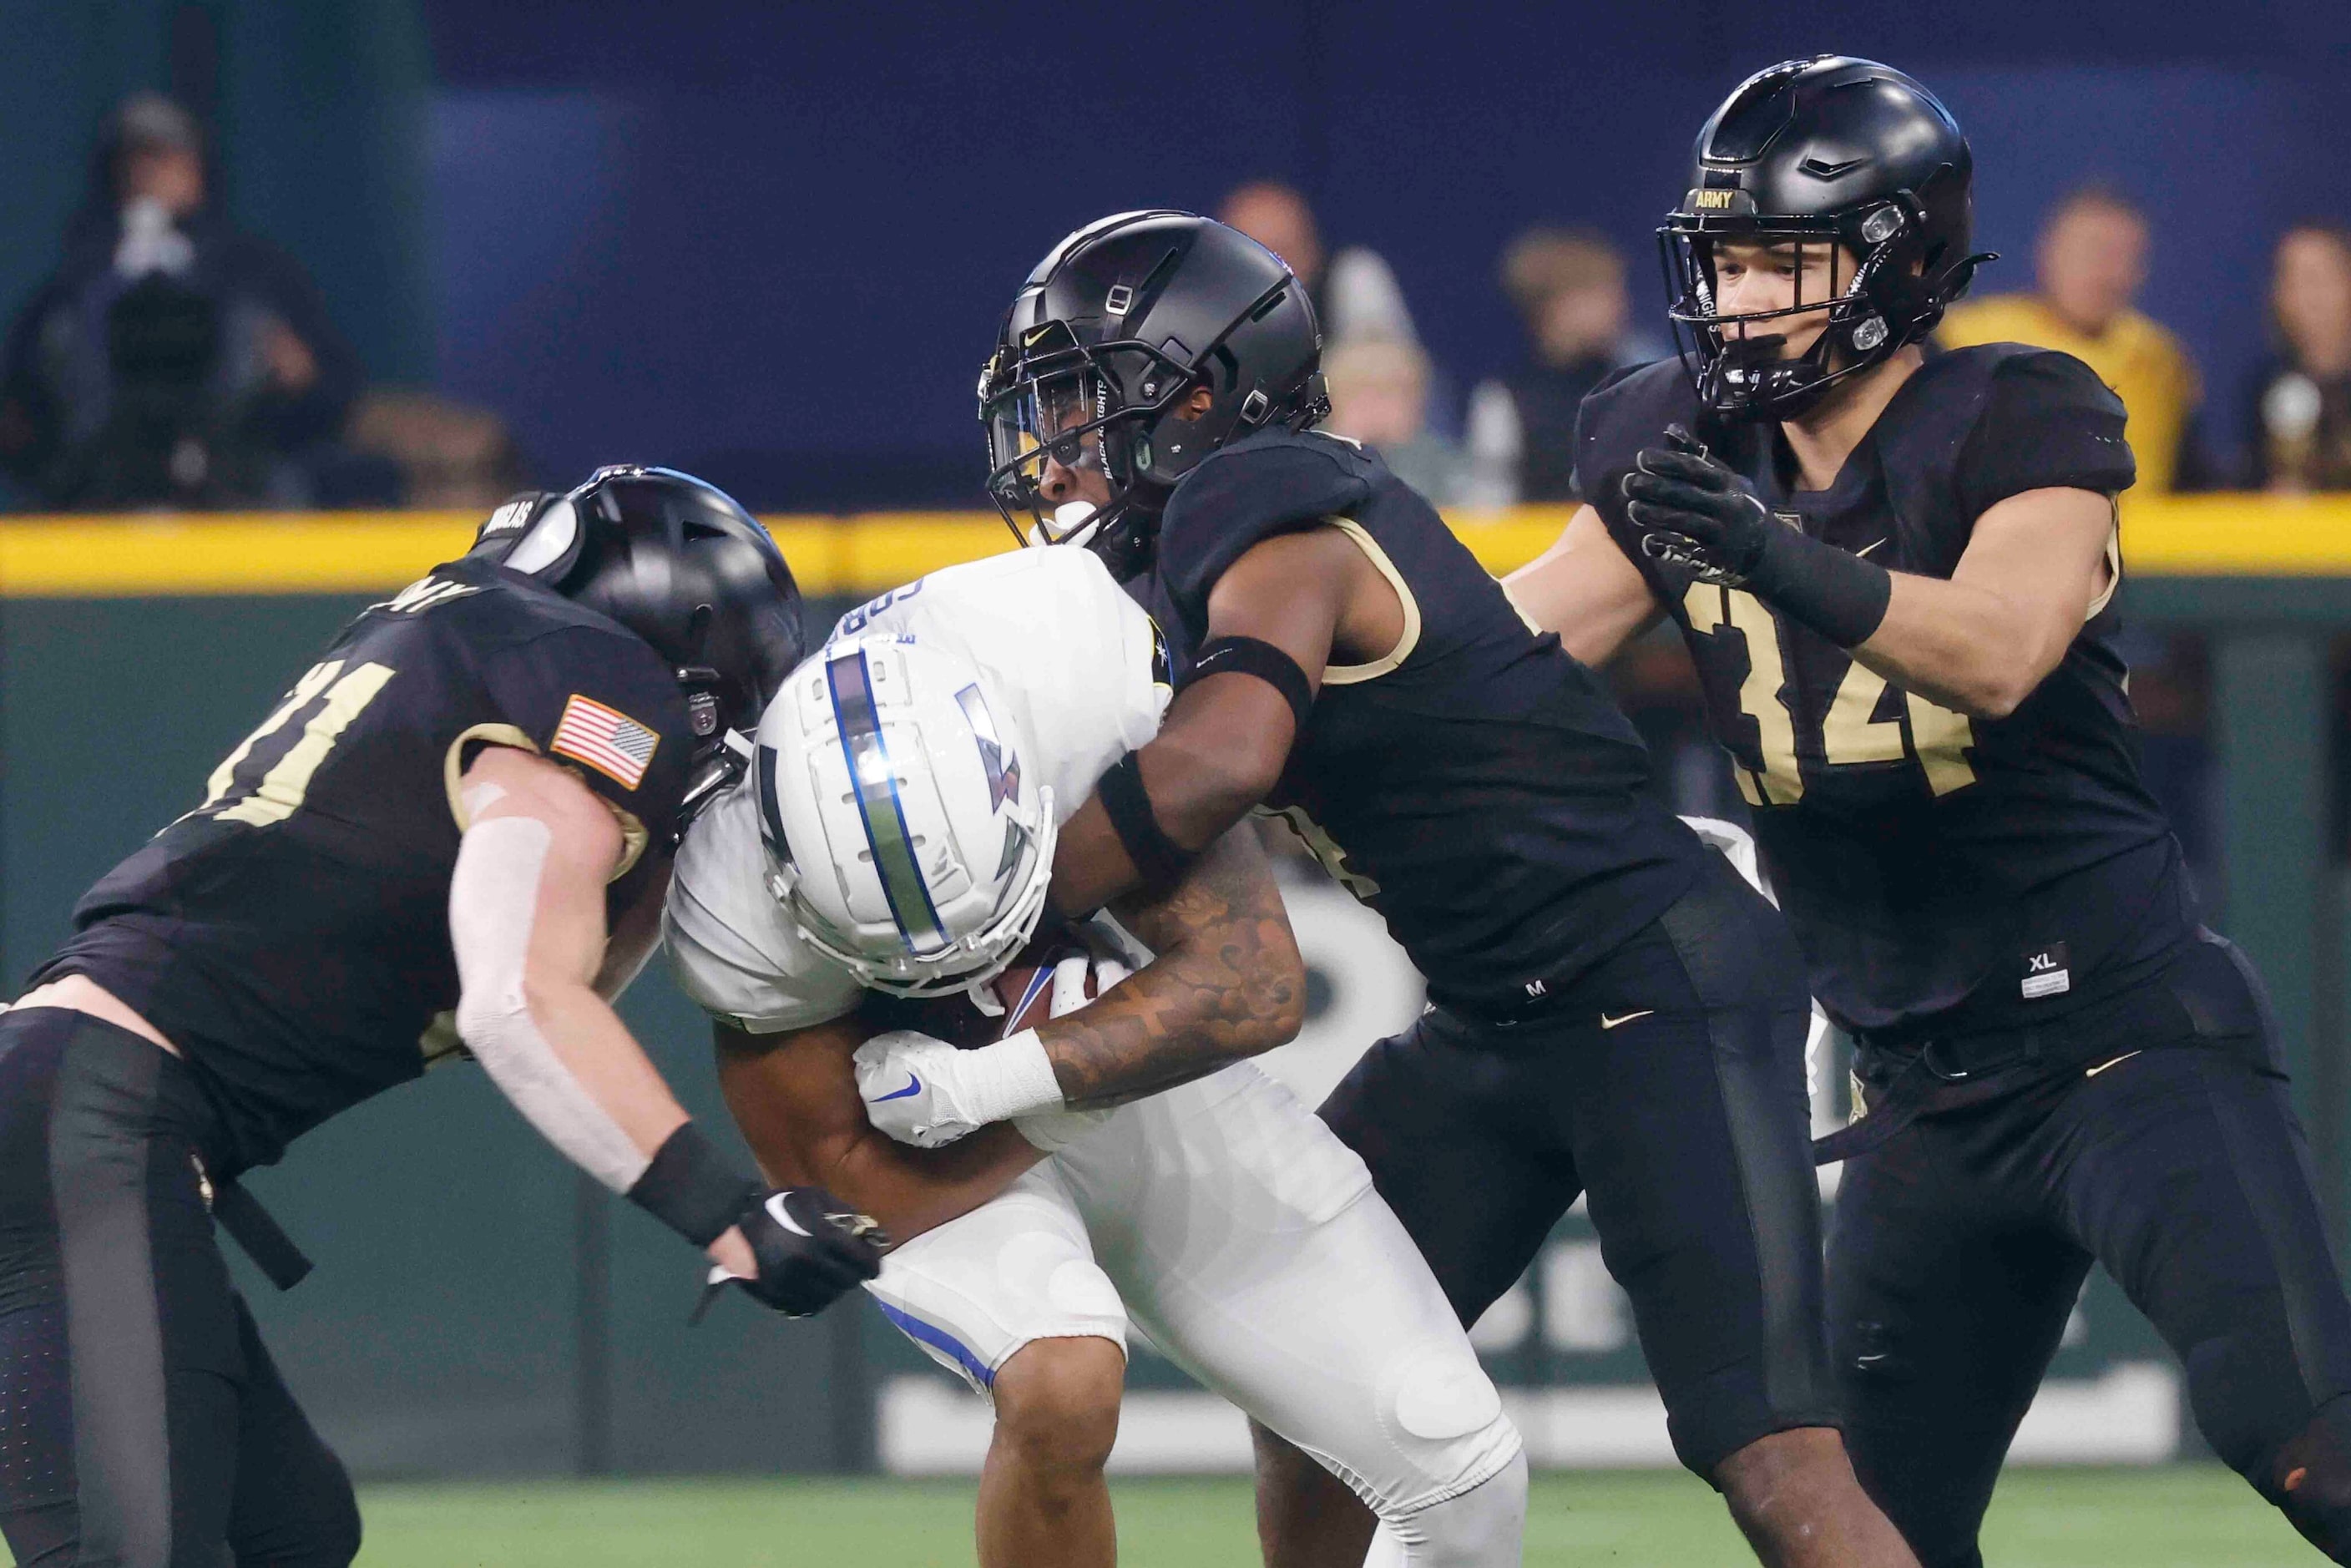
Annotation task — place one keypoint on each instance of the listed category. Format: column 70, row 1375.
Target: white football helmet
column 901, row 835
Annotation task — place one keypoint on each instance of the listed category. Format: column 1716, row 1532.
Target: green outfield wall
column 478, row 1310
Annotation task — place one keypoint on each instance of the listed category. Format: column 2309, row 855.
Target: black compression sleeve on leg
column 1159, row 858
column 1255, row 656
column 692, row 1189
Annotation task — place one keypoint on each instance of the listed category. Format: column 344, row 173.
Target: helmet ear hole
column 549, row 544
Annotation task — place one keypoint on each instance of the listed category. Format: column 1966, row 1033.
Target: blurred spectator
column 1569, row 287
column 171, row 360
column 2089, row 266
column 1354, row 292
column 449, row 457
column 1379, row 396
column 2300, row 401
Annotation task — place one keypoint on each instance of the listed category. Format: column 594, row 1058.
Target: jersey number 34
column 1850, row 732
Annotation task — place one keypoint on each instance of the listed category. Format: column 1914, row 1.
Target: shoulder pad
column 1992, row 420
column 1273, row 483
column 1624, row 413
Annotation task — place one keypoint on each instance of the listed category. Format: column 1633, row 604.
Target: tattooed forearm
column 1226, row 983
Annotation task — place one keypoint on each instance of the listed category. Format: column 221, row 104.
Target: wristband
column 692, row 1189
column 1159, row 858
column 1014, row 1077
column 1836, row 592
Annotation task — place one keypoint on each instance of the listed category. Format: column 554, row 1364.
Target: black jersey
column 1477, row 786
column 1943, row 872
column 291, row 934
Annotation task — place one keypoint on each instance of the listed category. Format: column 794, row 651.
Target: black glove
column 1696, row 513
column 811, row 1247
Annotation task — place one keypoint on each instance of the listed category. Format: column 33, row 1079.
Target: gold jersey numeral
column 1850, row 732
column 282, row 790
column 1326, row 850
column 217, row 787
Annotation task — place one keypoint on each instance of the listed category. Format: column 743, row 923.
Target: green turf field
column 2187, row 1517
column 2180, row 1518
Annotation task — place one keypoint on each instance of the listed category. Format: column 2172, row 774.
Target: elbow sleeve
column 493, row 903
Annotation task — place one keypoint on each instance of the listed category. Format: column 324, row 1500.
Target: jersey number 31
column 279, row 792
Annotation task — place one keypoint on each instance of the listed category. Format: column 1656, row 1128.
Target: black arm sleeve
column 2047, row 424
column 1267, row 486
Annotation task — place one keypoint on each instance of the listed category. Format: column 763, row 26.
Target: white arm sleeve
column 493, row 903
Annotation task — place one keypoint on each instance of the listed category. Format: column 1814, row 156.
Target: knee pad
column 974, row 1292
column 1483, row 1526
column 1445, row 1419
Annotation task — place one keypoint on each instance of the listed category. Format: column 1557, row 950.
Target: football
column 1026, row 989
column 1024, row 992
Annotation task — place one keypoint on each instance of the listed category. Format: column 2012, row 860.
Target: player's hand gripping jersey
column 1929, row 861
column 1476, row 785
column 291, row 934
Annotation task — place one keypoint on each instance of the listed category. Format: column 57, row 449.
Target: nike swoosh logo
column 2101, row 1067
column 913, row 1086
column 1866, row 549
column 1607, row 1023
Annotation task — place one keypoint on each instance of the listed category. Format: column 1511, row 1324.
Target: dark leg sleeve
column 1444, row 1130
column 2196, row 1192
column 37, row 1490
column 1690, row 1130
column 147, row 1318
column 1946, row 1302
column 123, row 1370
column 293, row 1507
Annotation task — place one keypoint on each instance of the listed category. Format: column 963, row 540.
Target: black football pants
column 1666, row 1084
column 142, row 1424
column 2171, row 1155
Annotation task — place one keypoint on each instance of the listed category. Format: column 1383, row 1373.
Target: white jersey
column 1222, row 1215
column 1059, row 642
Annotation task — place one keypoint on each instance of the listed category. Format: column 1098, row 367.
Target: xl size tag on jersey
column 2045, row 972
column 606, row 740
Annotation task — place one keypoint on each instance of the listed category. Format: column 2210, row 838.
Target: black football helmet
column 1111, row 333
column 678, row 562
column 1830, row 150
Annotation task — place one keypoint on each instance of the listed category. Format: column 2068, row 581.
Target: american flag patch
column 606, row 740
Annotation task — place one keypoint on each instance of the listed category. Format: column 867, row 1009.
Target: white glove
column 924, row 1092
